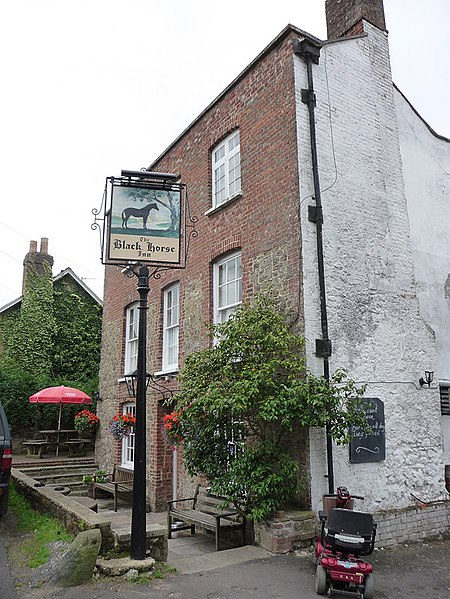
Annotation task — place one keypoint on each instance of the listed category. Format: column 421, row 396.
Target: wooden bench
column 35, row 447
column 120, row 483
column 204, row 510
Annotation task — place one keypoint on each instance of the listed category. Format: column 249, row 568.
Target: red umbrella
column 60, row 395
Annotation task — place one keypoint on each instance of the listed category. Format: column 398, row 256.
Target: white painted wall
column 426, row 169
column 374, row 320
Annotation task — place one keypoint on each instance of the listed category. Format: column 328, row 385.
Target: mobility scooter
column 345, row 536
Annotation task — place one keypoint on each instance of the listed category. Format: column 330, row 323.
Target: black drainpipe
column 310, row 53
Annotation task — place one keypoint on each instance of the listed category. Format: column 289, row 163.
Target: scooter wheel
column 368, row 586
column 321, row 580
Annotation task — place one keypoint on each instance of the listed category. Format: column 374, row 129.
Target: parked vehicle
column 345, row 536
column 5, row 461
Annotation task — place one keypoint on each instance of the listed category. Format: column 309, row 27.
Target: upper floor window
column 226, row 169
column 227, row 281
column 171, row 326
column 131, row 339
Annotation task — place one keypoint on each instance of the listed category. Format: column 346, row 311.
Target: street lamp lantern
column 131, row 382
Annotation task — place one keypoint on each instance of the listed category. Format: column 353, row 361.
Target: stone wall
column 374, row 318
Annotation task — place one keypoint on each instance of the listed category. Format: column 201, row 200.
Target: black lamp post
column 114, row 253
column 138, row 518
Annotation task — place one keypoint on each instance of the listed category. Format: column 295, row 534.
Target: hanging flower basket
column 172, row 427
column 121, row 426
column 85, row 421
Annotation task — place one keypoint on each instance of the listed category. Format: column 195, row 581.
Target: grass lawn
column 40, row 530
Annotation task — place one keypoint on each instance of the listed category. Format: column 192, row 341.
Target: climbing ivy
column 52, row 338
column 76, row 347
column 35, row 326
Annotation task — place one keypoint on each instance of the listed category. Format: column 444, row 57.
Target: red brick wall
column 263, row 223
column 344, row 16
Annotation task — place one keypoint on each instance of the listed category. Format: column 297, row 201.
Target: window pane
column 219, row 153
column 231, row 270
column 222, row 296
column 231, row 294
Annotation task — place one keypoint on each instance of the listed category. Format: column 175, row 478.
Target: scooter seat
column 350, row 531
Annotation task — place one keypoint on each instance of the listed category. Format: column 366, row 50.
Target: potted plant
column 121, row 426
column 85, row 422
column 88, row 479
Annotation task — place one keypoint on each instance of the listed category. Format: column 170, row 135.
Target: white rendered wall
column 373, row 312
column 426, row 170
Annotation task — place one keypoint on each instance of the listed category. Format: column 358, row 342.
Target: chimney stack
column 344, row 17
column 36, row 261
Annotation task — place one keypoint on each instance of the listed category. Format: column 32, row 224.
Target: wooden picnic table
column 76, row 447
column 35, row 447
column 57, row 436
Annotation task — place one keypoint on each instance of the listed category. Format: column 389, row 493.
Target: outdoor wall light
column 429, row 376
column 131, row 381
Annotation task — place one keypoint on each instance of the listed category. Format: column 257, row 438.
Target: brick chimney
column 36, row 261
column 345, row 17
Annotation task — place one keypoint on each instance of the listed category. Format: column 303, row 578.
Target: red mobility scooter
column 345, row 536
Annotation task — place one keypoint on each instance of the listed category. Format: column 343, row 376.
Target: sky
column 91, row 87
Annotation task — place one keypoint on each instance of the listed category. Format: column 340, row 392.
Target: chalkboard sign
column 370, row 447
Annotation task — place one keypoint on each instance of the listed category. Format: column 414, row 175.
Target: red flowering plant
column 173, row 426
column 121, row 425
column 85, row 421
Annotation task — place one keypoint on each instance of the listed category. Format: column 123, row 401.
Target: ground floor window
column 128, row 441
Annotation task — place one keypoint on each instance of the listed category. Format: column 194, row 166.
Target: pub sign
column 144, row 223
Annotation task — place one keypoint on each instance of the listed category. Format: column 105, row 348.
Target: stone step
column 77, row 488
column 62, row 476
column 64, row 463
column 81, row 468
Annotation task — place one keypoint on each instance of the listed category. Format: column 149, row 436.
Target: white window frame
column 227, row 286
column 131, row 338
column 128, row 442
column 171, row 327
column 226, row 169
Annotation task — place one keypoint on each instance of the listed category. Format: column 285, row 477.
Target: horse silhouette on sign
column 137, row 213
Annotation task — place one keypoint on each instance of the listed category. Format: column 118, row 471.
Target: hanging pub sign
column 370, row 446
column 144, row 221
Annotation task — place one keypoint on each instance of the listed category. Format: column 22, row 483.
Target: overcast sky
column 91, row 87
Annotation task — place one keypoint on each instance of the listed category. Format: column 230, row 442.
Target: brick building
column 249, row 162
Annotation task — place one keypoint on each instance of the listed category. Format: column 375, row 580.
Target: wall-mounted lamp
column 96, row 396
column 131, row 381
column 429, row 376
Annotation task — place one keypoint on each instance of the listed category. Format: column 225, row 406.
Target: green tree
column 252, row 386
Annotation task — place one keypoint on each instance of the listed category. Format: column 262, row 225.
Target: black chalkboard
column 370, row 447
